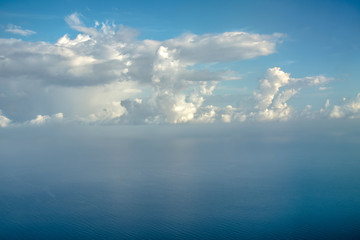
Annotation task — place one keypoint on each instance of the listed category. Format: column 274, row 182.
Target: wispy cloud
column 18, row 30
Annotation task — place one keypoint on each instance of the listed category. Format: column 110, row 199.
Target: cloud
column 225, row 47
column 106, row 75
column 4, row 121
column 230, row 114
column 73, row 20
column 18, row 30
column 348, row 109
column 108, row 53
column 111, row 114
column 327, row 103
column 272, row 98
column 42, row 119
column 272, row 81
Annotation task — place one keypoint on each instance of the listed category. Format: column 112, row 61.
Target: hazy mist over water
column 245, row 181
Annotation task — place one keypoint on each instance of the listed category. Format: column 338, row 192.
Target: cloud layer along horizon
column 105, row 75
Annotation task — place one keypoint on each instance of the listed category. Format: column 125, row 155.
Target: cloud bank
column 106, row 75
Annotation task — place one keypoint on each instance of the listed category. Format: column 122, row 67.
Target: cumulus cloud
column 106, row 75
column 348, row 109
column 18, row 30
column 4, row 121
column 110, row 114
column 42, row 119
column 230, row 114
column 272, row 95
column 107, row 53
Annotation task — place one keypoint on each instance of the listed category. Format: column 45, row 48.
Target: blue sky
column 305, row 39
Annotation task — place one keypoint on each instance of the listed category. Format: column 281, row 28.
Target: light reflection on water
column 182, row 183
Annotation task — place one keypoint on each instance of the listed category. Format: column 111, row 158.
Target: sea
column 269, row 180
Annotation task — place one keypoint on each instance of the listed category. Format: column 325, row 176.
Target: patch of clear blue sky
column 323, row 37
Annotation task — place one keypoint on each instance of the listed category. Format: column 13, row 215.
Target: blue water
column 259, row 181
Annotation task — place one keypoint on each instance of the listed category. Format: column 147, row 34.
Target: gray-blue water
column 250, row 181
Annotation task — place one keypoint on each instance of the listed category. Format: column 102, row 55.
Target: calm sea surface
column 264, row 181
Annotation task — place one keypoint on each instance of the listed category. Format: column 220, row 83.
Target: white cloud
column 4, row 121
column 74, row 22
column 106, row 75
column 323, row 88
column 108, row 53
column 42, row 119
column 206, row 114
column 18, row 30
column 110, row 114
column 230, row 114
column 327, row 103
column 350, row 109
column 272, row 81
column 272, row 97
column 337, row 112
column 223, row 47
column 307, row 112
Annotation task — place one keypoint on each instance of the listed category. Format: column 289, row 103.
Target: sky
column 193, row 119
column 178, row 62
